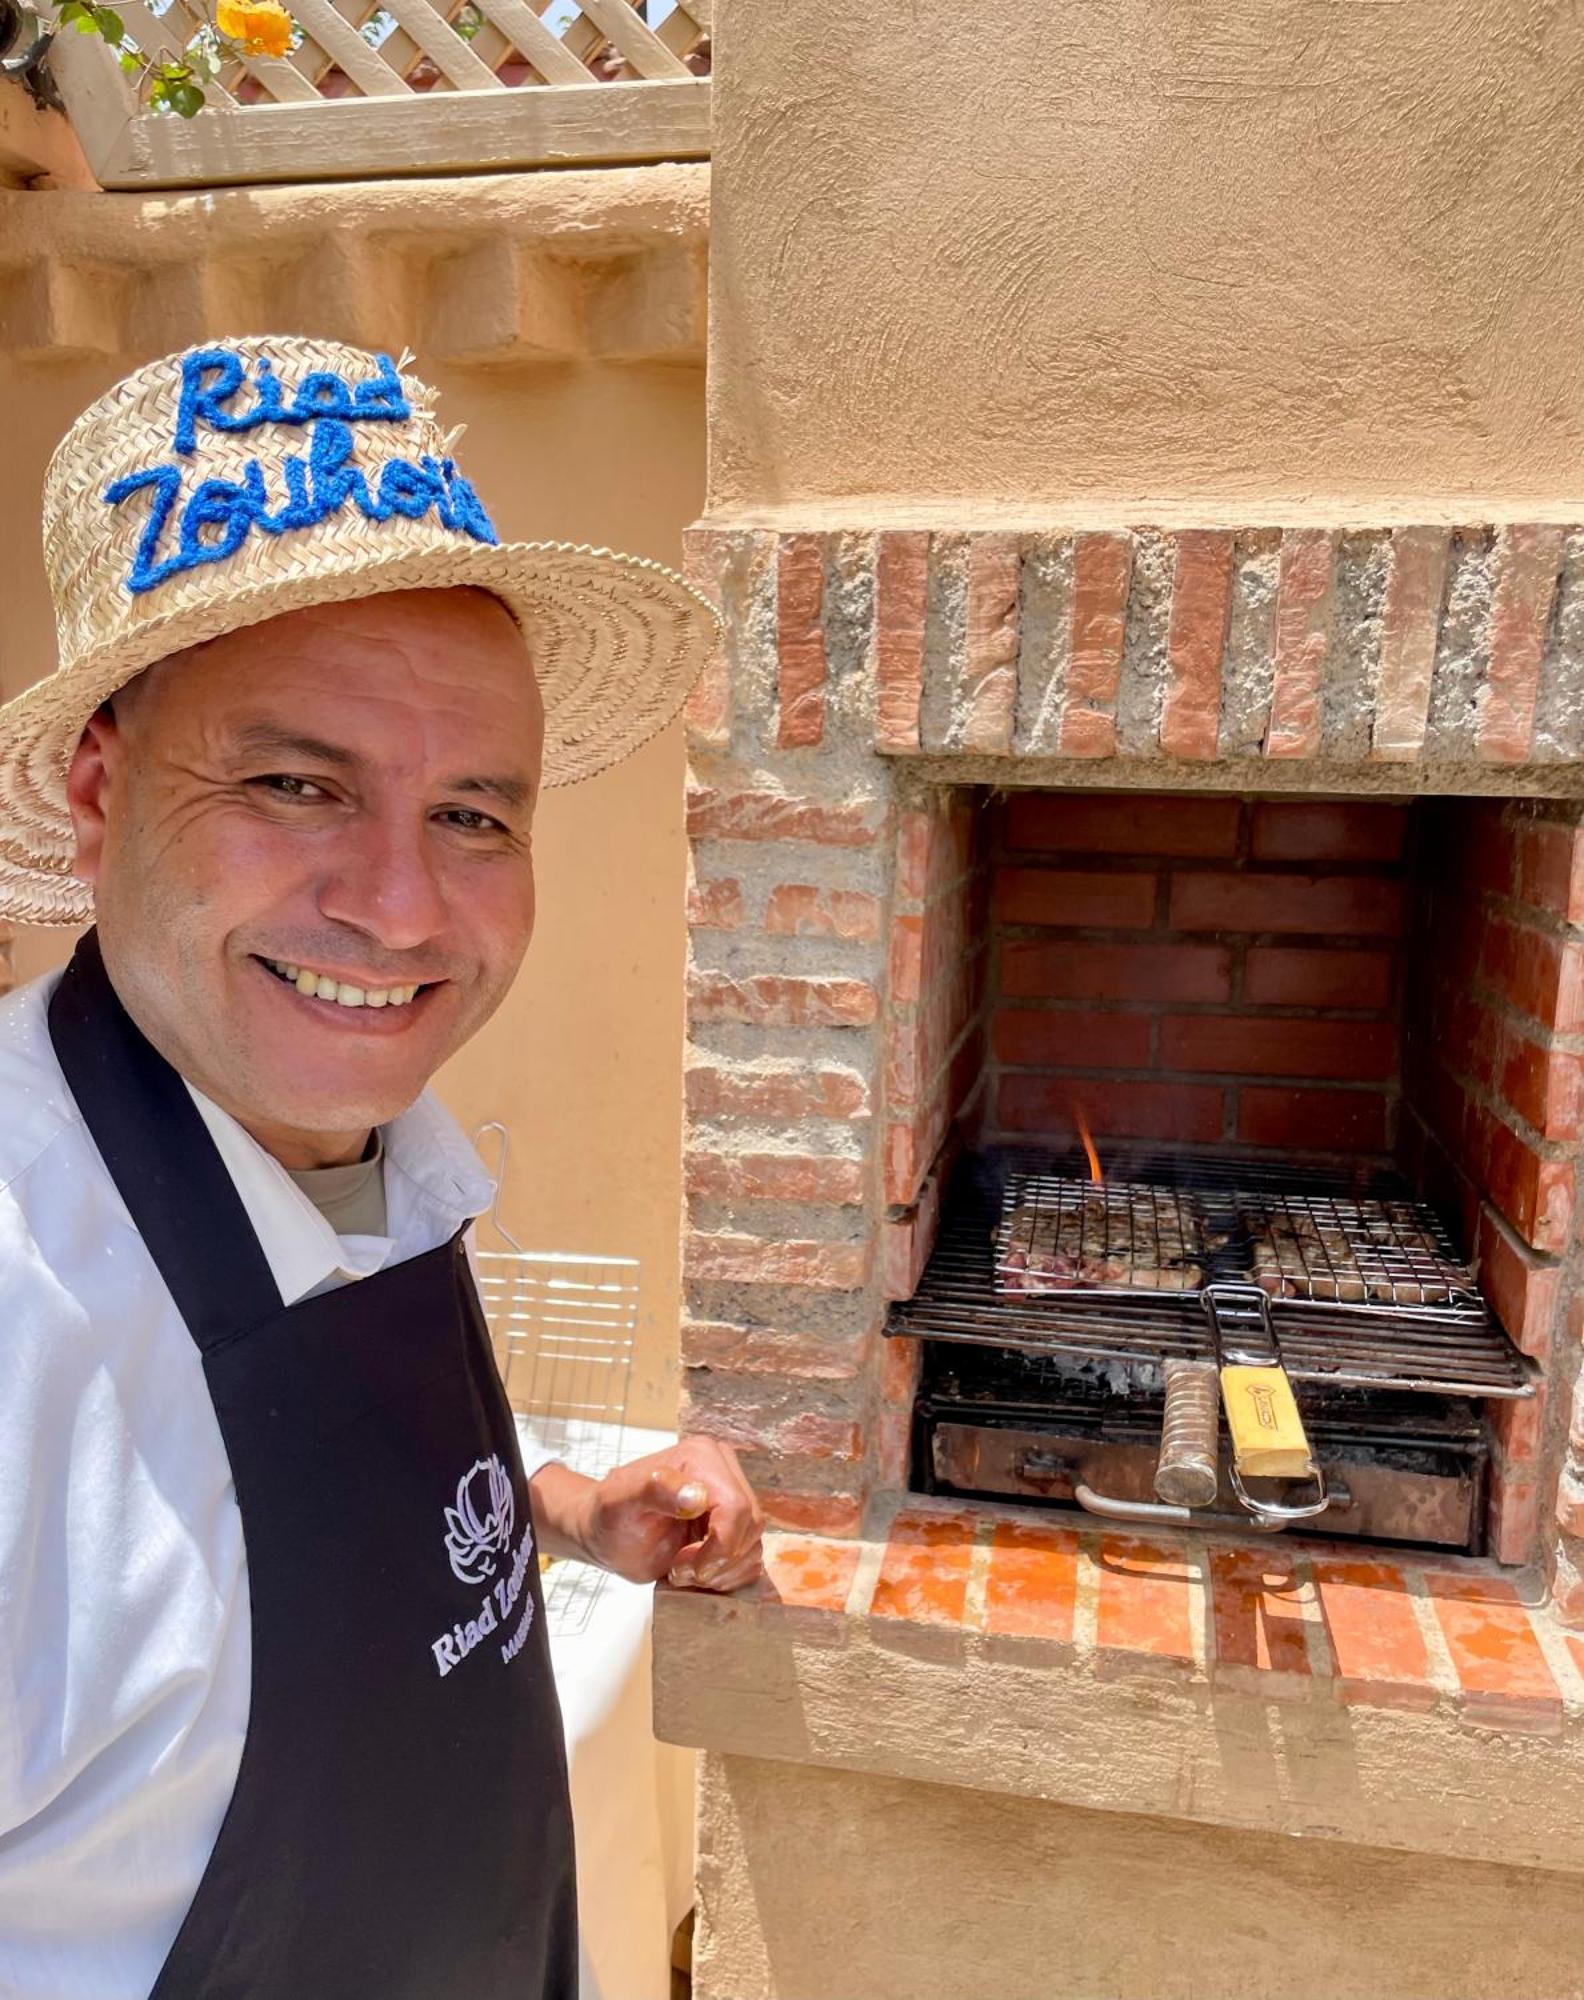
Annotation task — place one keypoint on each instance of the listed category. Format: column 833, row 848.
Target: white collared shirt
column 125, row 1650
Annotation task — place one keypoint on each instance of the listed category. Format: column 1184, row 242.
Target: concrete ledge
column 509, row 269
column 880, row 1659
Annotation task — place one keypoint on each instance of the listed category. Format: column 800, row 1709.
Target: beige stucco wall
column 1280, row 258
column 584, row 1060
column 814, row 1883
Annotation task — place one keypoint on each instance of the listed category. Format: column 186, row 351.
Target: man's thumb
column 675, row 1493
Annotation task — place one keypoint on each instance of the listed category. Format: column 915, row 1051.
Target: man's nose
column 385, row 883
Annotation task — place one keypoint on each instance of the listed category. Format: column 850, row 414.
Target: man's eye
column 284, row 786
column 466, row 820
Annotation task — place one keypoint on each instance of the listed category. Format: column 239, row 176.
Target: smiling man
column 276, row 1713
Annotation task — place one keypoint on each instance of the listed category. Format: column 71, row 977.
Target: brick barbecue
column 1236, row 840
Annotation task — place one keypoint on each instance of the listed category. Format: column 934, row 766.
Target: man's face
column 345, row 792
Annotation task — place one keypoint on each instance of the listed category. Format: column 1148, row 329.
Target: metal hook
column 497, row 1175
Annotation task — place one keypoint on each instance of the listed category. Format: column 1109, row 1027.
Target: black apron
column 400, row 1828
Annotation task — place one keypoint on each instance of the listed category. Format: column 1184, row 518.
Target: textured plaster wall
column 813, row 1882
column 584, row 1060
column 1294, row 259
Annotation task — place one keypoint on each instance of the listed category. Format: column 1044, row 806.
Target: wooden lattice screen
column 403, row 87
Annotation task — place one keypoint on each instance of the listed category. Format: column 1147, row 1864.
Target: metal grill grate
column 1450, row 1347
column 1059, row 1234
column 563, row 1329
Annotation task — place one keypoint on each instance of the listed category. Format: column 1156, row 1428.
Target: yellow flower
column 262, row 27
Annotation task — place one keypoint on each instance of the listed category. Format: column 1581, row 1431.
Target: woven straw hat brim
column 616, row 643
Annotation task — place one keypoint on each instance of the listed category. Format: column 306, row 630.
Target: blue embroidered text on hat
column 219, row 514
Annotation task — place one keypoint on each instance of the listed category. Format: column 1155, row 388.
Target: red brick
column 715, row 905
column 1256, row 1600
column 1324, row 1121
column 1528, row 559
column 763, row 815
column 924, row 1572
column 1173, row 972
column 1247, row 1045
column 1328, row 830
column 1123, row 823
column 1514, row 1516
column 800, row 641
column 1070, row 1041
column 991, row 643
column 756, row 1260
column 817, row 1513
column 809, row 1574
column 1534, row 1194
column 1551, row 869
column 1380, row 1653
column 1097, row 636
column 1540, row 973
column 768, row 1350
column 1065, row 896
column 1291, row 976
column 1485, row 847
column 1500, row 1666
column 1182, row 1112
column 750, row 1426
column 1201, row 607
column 771, row 1000
column 708, row 711
column 800, row 909
column 1522, row 1287
column 792, row 1177
column 901, row 605
column 1410, row 627
column 1144, row 1599
column 715, row 1092
column 1032, row 1588
column 917, row 833
column 1303, row 625
column 1517, row 1424
column 907, row 960
column 1325, row 905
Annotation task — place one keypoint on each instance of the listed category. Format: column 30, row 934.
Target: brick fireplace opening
column 1303, row 980
column 923, row 924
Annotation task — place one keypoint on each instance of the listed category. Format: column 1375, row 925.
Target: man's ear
column 88, row 780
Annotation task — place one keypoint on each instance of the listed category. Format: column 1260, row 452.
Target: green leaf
column 71, row 11
column 185, row 99
column 131, row 61
column 110, row 25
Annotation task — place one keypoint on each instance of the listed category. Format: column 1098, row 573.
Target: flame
column 1089, row 1147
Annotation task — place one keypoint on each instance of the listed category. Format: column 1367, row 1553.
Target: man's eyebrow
column 273, row 739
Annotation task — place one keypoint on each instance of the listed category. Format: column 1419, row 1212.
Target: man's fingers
column 677, row 1494
column 718, row 1576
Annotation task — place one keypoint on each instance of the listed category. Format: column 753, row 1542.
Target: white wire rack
column 563, row 1328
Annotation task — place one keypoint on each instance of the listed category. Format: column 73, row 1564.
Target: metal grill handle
column 1186, row 1475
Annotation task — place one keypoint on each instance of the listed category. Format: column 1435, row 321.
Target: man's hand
column 686, row 1514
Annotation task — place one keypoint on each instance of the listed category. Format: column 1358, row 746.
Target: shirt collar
column 433, row 1179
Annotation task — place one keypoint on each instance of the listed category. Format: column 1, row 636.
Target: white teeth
column 317, row 986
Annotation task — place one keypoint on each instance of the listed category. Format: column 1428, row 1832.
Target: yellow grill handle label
column 1268, row 1440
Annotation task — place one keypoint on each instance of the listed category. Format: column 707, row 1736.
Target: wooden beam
column 464, row 132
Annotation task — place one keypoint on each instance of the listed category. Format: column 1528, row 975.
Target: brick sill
column 1283, row 1688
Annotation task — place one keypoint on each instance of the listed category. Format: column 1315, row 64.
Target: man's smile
column 327, row 991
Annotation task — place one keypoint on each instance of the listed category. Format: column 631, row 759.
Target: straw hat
column 227, row 484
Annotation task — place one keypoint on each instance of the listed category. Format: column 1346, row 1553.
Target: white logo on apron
column 478, row 1535
column 478, row 1527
